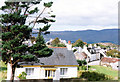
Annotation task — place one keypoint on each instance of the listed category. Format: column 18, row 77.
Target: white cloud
column 84, row 14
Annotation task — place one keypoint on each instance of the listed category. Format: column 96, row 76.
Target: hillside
column 89, row 36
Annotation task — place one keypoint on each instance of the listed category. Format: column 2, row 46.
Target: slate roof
column 60, row 56
column 80, row 55
column 110, row 60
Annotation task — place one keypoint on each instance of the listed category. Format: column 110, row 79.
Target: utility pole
column 87, row 62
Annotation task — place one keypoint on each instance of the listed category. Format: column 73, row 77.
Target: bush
column 78, row 43
column 74, row 50
column 22, row 75
column 83, row 67
column 94, row 76
column 81, row 62
column 113, row 53
column 61, row 45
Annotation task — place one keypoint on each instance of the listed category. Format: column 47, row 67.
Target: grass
column 3, row 71
column 105, row 70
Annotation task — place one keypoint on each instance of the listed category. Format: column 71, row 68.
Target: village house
column 61, row 64
column 93, row 53
column 114, row 63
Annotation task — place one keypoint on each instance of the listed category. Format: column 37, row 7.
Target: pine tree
column 15, row 32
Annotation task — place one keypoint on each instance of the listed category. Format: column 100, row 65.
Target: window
column 29, row 71
column 63, row 71
column 49, row 73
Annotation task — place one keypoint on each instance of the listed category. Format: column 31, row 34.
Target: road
column 94, row 62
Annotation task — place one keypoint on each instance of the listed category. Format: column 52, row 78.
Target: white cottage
column 114, row 63
column 61, row 64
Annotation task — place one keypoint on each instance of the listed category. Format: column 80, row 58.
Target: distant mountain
column 89, row 36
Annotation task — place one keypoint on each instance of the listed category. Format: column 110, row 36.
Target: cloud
column 84, row 14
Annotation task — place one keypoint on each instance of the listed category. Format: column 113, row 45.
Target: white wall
column 19, row 71
column 35, row 75
column 39, row 73
column 72, row 72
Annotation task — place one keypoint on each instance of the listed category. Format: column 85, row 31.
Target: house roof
column 60, row 56
column 110, row 60
column 80, row 55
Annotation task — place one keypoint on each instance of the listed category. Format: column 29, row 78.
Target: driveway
column 94, row 62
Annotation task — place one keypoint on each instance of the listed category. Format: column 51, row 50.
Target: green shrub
column 22, row 75
column 83, row 67
column 81, row 62
column 74, row 50
column 61, row 45
column 94, row 76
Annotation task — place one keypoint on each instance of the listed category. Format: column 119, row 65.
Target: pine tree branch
column 16, row 62
column 26, row 9
column 38, row 17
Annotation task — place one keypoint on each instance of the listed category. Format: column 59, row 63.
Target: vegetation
column 113, row 53
column 56, row 43
column 22, row 75
column 102, row 46
column 81, row 62
column 15, row 32
column 108, row 72
column 74, row 50
column 3, row 71
column 94, row 76
column 78, row 43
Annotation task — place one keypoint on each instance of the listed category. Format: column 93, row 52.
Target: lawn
column 3, row 71
column 105, row 70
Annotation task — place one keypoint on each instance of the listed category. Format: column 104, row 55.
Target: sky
column 72, row 15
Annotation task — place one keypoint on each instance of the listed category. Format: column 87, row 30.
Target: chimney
column 69, row 42
column 69, row 45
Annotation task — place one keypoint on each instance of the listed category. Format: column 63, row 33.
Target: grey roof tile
column 60, row 56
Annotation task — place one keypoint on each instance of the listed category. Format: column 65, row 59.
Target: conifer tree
column 15, row 32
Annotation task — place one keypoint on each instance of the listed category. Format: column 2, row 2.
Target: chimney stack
column 69, row 45
column 69, row 42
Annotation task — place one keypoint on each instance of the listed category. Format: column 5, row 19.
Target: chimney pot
column 69, row 42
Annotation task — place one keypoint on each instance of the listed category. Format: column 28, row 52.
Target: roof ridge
column 57, row 47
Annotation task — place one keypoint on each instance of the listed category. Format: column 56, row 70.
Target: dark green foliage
column 15, row 32
column 40, row 49
column 22, row 75
column 34, row 11
column 52, row 16
column 78, row 43
column 83, row 67
column 74, row 50
column 45, row 20
column 48, row 4
column 94, row 76
column 81, row 62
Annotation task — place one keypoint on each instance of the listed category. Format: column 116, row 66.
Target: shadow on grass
column 3, row 68
column 94, row 76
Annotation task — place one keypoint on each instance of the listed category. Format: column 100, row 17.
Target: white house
column 114, row 63
column 61, row 64
column 93, row 53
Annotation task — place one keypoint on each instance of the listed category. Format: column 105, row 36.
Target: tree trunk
column 12, row 73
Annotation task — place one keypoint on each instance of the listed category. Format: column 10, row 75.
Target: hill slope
column 89, row 36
